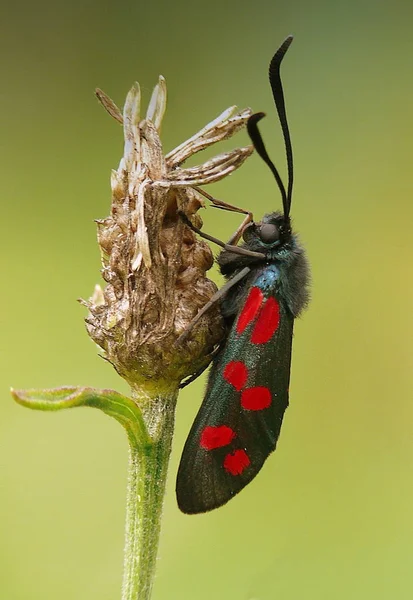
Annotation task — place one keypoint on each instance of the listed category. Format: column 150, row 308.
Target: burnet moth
column 239, row 421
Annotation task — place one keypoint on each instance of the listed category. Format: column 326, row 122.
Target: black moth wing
column 210, row 476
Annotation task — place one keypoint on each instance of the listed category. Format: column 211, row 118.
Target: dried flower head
column 153, row 264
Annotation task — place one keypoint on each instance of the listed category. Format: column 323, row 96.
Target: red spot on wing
column 236, row 462
column 250, row 310
column 256, row 398
column 236, row 374
column 216, row 437
column 267, row 323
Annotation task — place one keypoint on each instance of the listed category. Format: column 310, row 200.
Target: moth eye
column 269, row 233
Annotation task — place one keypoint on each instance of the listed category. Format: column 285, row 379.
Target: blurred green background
column 330, row 516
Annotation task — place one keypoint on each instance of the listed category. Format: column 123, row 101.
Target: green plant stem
column 148, row 467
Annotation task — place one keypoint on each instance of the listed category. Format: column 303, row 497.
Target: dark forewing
column 239, row 422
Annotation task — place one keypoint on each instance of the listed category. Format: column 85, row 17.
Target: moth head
column 274, row 230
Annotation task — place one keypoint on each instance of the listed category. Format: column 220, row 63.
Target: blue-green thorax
column 283, row 267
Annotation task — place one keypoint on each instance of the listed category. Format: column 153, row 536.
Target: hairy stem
column 148, row 467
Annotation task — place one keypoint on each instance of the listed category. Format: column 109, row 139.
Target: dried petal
column 222, row 128
column 213, row 170
column 109, row 105
column 157, row 105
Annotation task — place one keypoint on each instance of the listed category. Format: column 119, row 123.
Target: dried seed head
column 154, row 265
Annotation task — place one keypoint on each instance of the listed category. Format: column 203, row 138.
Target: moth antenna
column 259, row 146
column 255, row 135
column 278, row 95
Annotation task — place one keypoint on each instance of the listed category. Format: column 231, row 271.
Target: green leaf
column 120, row 407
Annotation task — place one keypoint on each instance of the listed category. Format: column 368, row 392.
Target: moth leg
column 192, row 378
column 216, row 203
column 210, row 238
column 215, row 298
